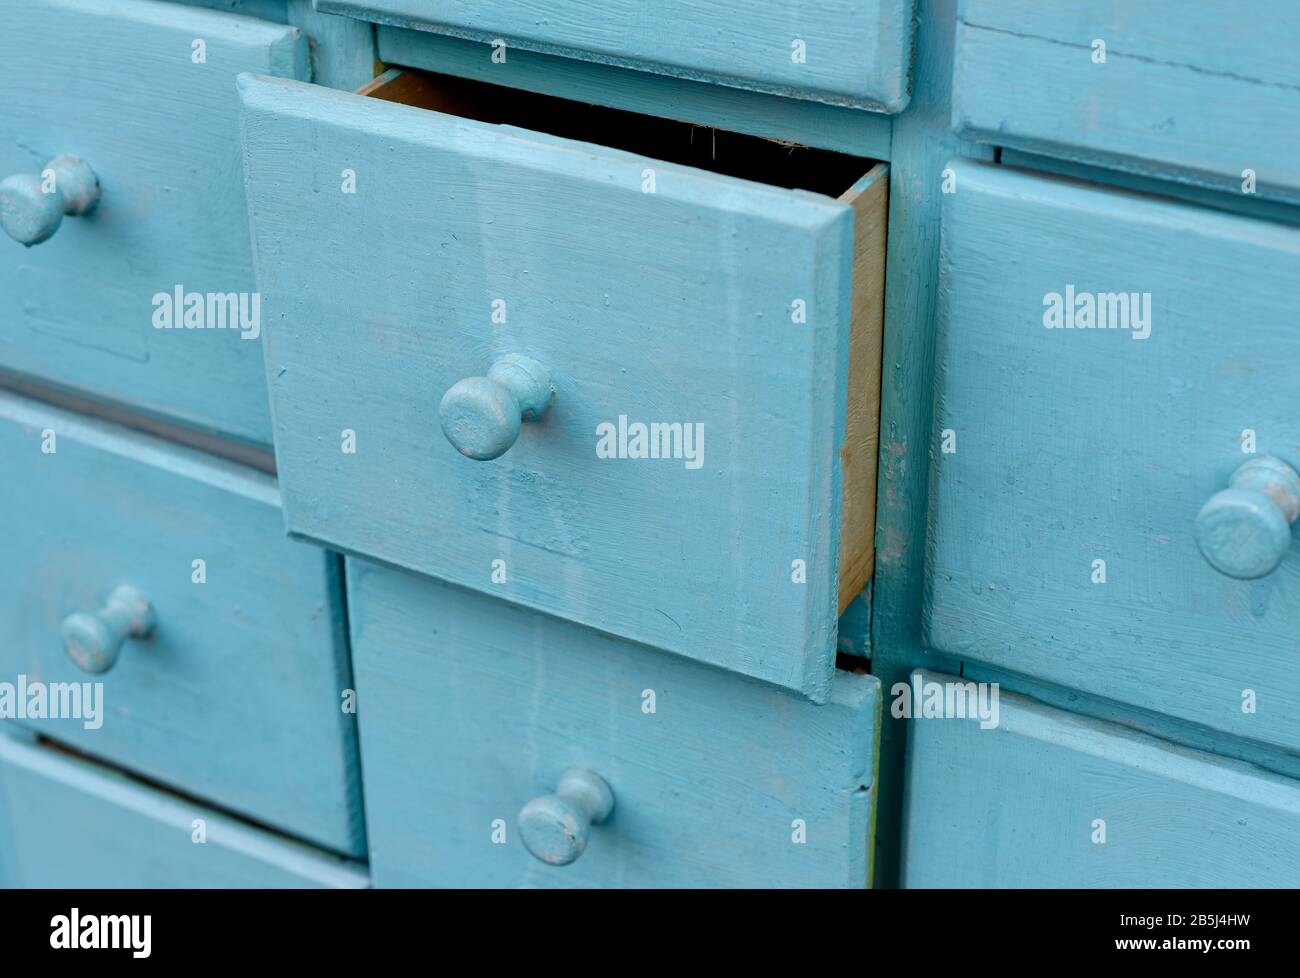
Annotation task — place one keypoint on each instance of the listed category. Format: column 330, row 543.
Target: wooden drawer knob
column 555, row 827
column 32, row 205
column 1244, row 531
column 481, row 415
column 94, row 639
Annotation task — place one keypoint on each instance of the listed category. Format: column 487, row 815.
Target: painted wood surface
column 470, row 708
column 342, row 49
column 851, row 52
column 237, row 695
column 672, row 306
column 1233, row 201
column 923, row 144
column 275, row 11
column 114, row 83
column 836, row 127
column 66, row 822
column 1198, row 97
column 1029, row 802
column 1080, row 446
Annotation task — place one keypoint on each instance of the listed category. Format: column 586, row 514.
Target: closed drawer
column 1072, row 531
column 852, row 52
column 235, row 693
column 1050, row 799
column 1202, row 97
column 144, row 94
column 734, row 324
column 474, row 711
column 66, row 822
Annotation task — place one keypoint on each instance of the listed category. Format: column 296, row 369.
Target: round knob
column 32, row 205
column 480, row 415
column 94, row 639
column 1244, row 531
column 555, row 827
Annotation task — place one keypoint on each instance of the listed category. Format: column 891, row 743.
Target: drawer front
column 1201, row 97
column 467, row 244
column 235, row 694
column 471, row 709
column 66, row 822
column 1066, row 529
column 850, row 52
column 144, row 94
column 1050, row 799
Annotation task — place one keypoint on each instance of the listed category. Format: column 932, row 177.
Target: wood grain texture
column 857, row 52
column 237, row 697
column 469, row 708
column 119, row 90
column 835, row 127
column 66, row 822
column 673, row 306
column 1018, row 805
column 869, row 200
column 1082, row 445
column 1177, row 95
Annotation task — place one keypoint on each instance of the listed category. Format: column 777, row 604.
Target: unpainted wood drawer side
column 869, row 199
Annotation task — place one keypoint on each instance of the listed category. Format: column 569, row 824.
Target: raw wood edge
column 862, row 414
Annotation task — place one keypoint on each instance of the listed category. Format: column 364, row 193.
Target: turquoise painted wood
column 1238, row 203
column 275, row 11
column 850, row 52
column 117, row 85
column 835, row 127
column 342, row 49
column 94, row 639
column 66, row 822
column 1028, row 804
column 555, row 827
column 1086, row 455
column 923, row 144
column 1199, row 97
column 32, row 205
column 482, row 416
column 230, row 687
column 467, row 241
column 1244, row 531
column 472, row 711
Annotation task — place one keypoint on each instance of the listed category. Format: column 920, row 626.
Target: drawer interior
column 780, row 164
column 853, row 180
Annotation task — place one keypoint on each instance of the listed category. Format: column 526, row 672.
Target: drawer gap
column 774, row 162
column 214, row 805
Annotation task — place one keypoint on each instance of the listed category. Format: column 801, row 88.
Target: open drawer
column 692, row 339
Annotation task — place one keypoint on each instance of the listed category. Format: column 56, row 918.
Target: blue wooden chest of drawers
column 480, row 445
